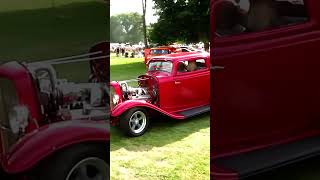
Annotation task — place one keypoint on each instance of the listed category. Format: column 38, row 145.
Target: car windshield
column 159, row 51
column 164, row 66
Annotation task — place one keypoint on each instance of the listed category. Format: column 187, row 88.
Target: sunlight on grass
column 121, row 60
column 170, row 149
column 126, row 68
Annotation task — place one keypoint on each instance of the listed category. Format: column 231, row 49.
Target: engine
column 134, row 93
column 75, row 96
column 63, row 100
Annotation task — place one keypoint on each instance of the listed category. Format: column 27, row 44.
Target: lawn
column 36, row 30
column 169, row 149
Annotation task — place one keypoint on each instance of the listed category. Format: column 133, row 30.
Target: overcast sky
column 126, row 6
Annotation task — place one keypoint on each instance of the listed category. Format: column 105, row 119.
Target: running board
column 195, row 111
column 255, row 162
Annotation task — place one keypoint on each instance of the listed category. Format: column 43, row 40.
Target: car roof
column 163, row 48
column 181, row 56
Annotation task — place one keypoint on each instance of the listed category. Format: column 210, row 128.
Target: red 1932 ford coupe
column 265, row 85
column 51, row 128
column 175, row 85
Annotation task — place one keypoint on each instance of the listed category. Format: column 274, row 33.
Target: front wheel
column 134, row 122
column 82, row 162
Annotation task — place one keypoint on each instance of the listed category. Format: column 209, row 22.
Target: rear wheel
column 134, row 122
column 84, row 162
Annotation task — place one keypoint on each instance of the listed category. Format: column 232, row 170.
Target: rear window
column 159, row 51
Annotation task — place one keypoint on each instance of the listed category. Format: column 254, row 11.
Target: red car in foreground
column 265, row 92
column 51, row 128
column 175, row 85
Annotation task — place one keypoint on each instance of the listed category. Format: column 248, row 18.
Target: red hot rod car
column 175, row 85
column 51, row 128
column 265, row 92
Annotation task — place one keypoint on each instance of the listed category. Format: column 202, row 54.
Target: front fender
column 126, row 105
column 41, row 143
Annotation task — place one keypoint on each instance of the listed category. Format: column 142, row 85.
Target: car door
column 264, row 81
column 192, row 88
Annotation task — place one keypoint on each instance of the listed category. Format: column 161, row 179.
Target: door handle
column 217, row 67
column 177, row 82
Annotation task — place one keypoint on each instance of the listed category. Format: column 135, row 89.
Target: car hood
column 157, row 74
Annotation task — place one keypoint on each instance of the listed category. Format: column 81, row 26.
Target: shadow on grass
column 75, row 72
column 162, row 131
column 28, row 35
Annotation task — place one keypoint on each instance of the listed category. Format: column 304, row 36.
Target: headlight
column 115, row 99
column 18, row 119
column 124, row 86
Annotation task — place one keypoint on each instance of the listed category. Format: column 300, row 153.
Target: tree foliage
column 181, row 20
column 126, row 28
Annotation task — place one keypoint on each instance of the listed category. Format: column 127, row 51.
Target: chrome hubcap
column 138, row 122
column 89, row 169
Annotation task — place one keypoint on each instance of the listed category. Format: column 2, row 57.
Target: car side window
column 190, row 66
column 239, row 16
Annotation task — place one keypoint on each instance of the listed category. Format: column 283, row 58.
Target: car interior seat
column 262, row 15
column 192, row 66
column 182, row 67
column 227, row 18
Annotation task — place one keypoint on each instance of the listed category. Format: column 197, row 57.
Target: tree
column 144, row 9
column 181, row 20
column 126, row 28
column 116, row 31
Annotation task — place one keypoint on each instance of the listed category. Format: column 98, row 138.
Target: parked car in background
column 175, row 85
column 159, row 51
column 265, row 96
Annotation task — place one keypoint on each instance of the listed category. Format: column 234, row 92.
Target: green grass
column 17, row 5
column 33, row 31
column 170, row 149
column 125, row 68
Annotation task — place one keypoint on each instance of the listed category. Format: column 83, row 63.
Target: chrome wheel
column 138, row 122
column 89, row 169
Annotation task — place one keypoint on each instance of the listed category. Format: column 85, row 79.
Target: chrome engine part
column 134, row 93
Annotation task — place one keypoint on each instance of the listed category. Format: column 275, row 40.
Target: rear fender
column 43, row 142
column 126, row 105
